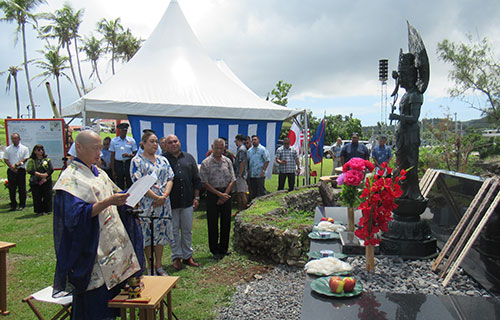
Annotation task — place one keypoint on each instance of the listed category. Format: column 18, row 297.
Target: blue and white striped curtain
column 197, row 134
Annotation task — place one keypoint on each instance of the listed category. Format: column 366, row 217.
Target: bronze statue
column 408, row 235
column 413, row 76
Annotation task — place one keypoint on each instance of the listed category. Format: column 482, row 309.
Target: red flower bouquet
column 378, row 203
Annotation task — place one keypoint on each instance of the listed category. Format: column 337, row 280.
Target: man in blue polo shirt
column 258, row 160
column 123, row 149
column 381, row 153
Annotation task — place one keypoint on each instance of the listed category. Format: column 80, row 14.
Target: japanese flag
column 296, row 137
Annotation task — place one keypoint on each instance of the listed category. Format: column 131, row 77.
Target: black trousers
column 291, row 181
column 17, row 180
column 218, row 244
column 42, row 197
column 257, row 187
column 122, row 169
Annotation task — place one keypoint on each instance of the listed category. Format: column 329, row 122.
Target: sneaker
column 148, row 272
column 161, row 272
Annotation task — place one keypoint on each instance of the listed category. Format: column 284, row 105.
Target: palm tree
column 54, row 65
column 110, row 30
column 20, row 12
column 13, row 75
column 60, row 29
column 74, row 20
column 127, row 45
column 93, row 50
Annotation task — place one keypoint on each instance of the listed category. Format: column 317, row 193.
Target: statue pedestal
column 409, row 237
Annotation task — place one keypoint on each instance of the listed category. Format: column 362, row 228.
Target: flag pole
column 306, row 148
column 322, row 158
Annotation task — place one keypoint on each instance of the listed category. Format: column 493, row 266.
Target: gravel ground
column 278, row 294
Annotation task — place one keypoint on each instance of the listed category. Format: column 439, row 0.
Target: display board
column 47, row 132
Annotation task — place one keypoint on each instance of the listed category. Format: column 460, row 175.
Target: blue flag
column 317, row 143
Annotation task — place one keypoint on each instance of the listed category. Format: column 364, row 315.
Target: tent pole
column 84, row 117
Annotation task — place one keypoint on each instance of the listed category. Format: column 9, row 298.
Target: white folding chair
column 45, row 295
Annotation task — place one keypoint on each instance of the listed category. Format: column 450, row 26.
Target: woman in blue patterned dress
column 156, row 202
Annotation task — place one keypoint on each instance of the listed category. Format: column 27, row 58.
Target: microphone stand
column 152, row 227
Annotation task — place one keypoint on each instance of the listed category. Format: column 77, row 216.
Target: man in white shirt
column 123, row 149
column 16, row 155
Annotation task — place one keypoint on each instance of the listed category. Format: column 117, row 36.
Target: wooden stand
column 4, row 248
column 350, row 219
column 468, row 229
column 370, row 257
column 155, row 288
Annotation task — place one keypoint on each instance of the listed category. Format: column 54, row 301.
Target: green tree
column 12, row 75
column 20, row 11
column 93, row 50
column 475, row 71
column 61, row 28
column 280, row 93
column 74, row 20
column 127, row 45
column 53, row 66
column 455, row 148
column 341, row 126
column 110, row 30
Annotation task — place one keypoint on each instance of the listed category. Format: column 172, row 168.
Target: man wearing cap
column 123, row 149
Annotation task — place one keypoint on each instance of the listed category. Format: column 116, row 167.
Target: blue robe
column 76, row 239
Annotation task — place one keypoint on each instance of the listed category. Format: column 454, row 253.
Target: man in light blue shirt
column 123, row 149
column 381, row 153
column 106, row 156
column 258, row 160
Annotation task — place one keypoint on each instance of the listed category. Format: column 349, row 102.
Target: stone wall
column 270, row 243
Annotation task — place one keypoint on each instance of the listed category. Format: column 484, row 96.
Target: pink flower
column 357, row 164
column 353, row 177
column 340, row 179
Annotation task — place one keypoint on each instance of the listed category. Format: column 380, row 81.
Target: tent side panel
column 196, row 134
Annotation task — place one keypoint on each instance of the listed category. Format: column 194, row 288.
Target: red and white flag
column 296, row 137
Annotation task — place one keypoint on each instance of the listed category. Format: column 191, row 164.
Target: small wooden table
column 154, row 287
column 4, row 248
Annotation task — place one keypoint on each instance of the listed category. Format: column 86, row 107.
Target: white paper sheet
column 139, row 189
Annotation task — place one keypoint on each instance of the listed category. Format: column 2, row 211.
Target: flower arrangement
column 5, row 183
column 378, row 203
column 352, row 175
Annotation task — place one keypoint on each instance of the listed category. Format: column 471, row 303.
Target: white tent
column 173, row 75
column 172, row 85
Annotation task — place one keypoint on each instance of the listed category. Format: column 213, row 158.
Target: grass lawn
column 199, row 293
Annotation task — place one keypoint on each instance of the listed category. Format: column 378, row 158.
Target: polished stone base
column 409, row 249
column 351, row 245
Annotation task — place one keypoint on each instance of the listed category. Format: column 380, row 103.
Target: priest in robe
column 98, row 245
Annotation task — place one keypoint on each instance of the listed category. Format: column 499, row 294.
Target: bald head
column 88, row 147
column 173, row 145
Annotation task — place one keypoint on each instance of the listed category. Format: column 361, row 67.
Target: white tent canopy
column 173, row 76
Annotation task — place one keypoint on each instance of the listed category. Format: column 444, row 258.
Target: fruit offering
column 349, row 283
column 336, row 284
column 339, row 285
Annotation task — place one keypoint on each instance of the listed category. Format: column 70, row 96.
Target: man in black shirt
column 184, row 198
column 354, row 150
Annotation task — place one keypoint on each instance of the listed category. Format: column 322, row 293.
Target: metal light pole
column 382, row 77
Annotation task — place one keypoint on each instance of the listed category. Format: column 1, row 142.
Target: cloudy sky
column 327, row 49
